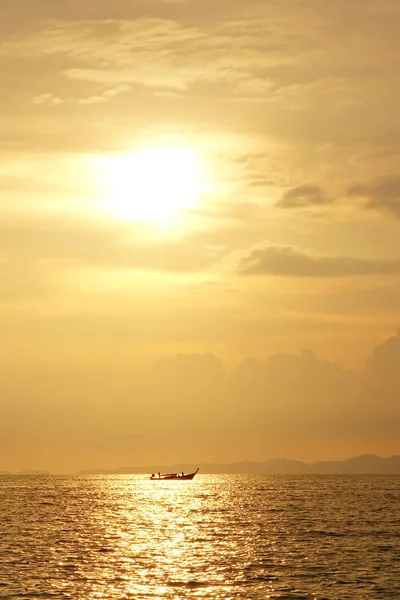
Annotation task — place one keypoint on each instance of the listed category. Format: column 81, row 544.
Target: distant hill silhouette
column 368, row 464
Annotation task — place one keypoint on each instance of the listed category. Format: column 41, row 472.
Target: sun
column 153, row 184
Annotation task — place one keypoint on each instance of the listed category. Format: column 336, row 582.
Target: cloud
column 47, row 98
column 384, row 361
column 382, row 194
column 293, row 262
column 304, row 195
column 153, row 52
column 314, row 389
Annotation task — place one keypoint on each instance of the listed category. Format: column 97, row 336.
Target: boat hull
column 173, row 477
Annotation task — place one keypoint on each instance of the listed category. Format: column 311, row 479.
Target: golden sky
column 185, row 184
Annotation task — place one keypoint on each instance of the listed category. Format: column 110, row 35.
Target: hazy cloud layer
column 66, row 242
column 263, row 408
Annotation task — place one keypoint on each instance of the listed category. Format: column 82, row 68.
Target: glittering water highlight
column 218, row 536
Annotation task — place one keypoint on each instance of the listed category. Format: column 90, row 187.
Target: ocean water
column 218, row 536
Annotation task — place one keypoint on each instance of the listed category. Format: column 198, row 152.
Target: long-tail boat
column 172, row 476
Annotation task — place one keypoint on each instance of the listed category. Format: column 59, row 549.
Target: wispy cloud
column 304, row 195
column 272, row 46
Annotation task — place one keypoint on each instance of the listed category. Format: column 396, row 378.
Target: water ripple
column 222, row 537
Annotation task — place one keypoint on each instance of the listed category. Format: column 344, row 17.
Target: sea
column 218, row 537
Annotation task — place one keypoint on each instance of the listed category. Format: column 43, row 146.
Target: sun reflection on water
column 223, row 537
column 166, row 533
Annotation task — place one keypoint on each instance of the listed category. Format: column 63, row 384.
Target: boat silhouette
column 172, row 476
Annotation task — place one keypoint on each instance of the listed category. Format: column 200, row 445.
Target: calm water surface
column 215, row 537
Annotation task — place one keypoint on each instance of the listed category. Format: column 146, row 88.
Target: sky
column 199, row 231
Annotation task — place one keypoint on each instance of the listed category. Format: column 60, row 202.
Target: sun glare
column 154, row 184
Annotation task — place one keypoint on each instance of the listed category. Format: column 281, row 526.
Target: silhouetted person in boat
column 159, row 475
column 182, row 473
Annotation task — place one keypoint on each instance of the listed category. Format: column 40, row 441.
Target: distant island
column 366, row 464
